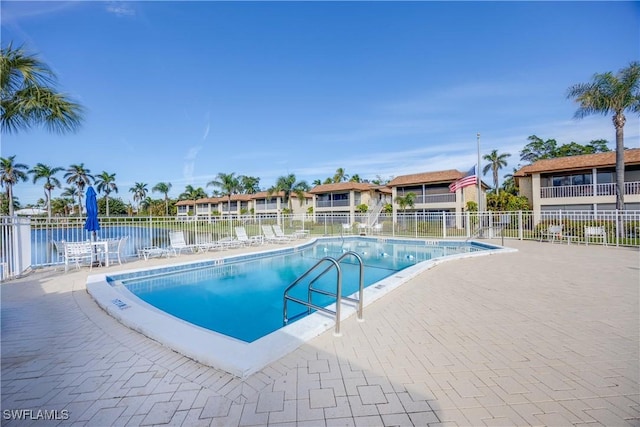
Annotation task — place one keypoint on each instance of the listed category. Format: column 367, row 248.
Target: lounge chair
column 241, row 235
column 178, row 244
column 270, row 236
column 597, row 233
column 152, row 251
column 277, row 230
column 553, row 233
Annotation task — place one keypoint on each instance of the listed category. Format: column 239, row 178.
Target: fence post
column 444, row 225
column 520, row 226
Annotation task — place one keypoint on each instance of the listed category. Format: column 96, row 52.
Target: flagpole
column 478, row 175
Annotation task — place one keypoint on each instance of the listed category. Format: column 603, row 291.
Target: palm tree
column 191, row 193
column 78, row 175
column 355, row 178
column 406, row 200
column 496, row 162
column 42, row 171
column 106, row 183
column 164, row 188
column 71, row 193
column 29, row 98
column 288, row 184
column 139, row 191
column 228, row 184
column 10, row 174
column 606, row 94
column 340, row 175
column 249, row 184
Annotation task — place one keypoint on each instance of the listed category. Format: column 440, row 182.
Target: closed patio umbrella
column 92, row 224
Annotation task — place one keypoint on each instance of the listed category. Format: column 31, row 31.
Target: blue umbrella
column 92, row 223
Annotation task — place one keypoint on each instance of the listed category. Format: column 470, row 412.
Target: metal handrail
column 360, row 285
column 335, row 263
column 308, row 304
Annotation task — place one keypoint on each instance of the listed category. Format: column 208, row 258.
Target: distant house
column 265, row 203
column 586, row 182
column 432, row 191
column 345, row 197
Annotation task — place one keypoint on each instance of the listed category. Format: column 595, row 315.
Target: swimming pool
column 237, row 323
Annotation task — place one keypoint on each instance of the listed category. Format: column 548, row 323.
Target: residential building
column 432, row 192
column 586, row 182
column 265, row 203
column 345, row 197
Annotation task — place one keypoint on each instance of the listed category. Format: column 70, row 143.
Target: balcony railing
column 331, row 203
column 588, row 190
column 436, row 198
column 264, row 207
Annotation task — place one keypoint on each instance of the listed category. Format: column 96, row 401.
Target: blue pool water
column 243, row 297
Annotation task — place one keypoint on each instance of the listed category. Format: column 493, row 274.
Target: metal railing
column 309, row 304
column 334, row 263
column 29, row 242
column 588, row 190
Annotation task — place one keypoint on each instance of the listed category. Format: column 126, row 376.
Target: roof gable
column 426, row 177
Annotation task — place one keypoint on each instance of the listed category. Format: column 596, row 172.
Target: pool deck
column 547, row 335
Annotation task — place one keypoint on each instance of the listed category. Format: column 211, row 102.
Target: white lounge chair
column 241, row 235
column 277, row 230
column 347, row 228
column 178, row 243
column 270, row 236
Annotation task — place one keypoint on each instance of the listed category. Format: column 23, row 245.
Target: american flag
column 471, row 178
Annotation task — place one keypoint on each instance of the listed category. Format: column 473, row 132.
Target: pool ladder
column 333, row 264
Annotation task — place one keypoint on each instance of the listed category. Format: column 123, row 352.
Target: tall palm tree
column 340, row 175
column 607, row 94
column 42, row 171
column 29, row 98
column 288, row 184
column 106, row 183
column 249, row 184
column 71, row 193
column 10, row 174
column 80, row 177
column 164, row 188
column 496, row 162
column 228, row 184
column 191, row 193
column 139, row 191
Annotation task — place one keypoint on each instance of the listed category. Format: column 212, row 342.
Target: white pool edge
column 229, row 354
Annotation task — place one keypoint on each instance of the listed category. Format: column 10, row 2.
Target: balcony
column 261, row 207
column 436, row 198
column 588, row 190
column 332, row 203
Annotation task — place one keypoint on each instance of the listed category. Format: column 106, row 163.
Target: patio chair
column 76, row 252
column 178, row 244
column 243, row 238
column 115, row 247
column 553, row 233
column 277, row 230
column 597, row 233
column 377, row 229
column 347, row 228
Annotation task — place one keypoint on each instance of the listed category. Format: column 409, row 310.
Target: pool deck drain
column 548, row 335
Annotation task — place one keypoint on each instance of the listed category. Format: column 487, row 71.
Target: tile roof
column 631, row 156
column 342, row 186
column 426, row 177
column 265, row 194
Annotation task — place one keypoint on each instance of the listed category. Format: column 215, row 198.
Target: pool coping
column 232, row 355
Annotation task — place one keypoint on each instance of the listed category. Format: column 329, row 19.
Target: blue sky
column 180, row 91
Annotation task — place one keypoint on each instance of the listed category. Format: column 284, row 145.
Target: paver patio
column 548, row 335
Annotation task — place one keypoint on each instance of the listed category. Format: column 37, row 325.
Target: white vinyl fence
column 29, row 243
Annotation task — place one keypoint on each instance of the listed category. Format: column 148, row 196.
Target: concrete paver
column 548, row 335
